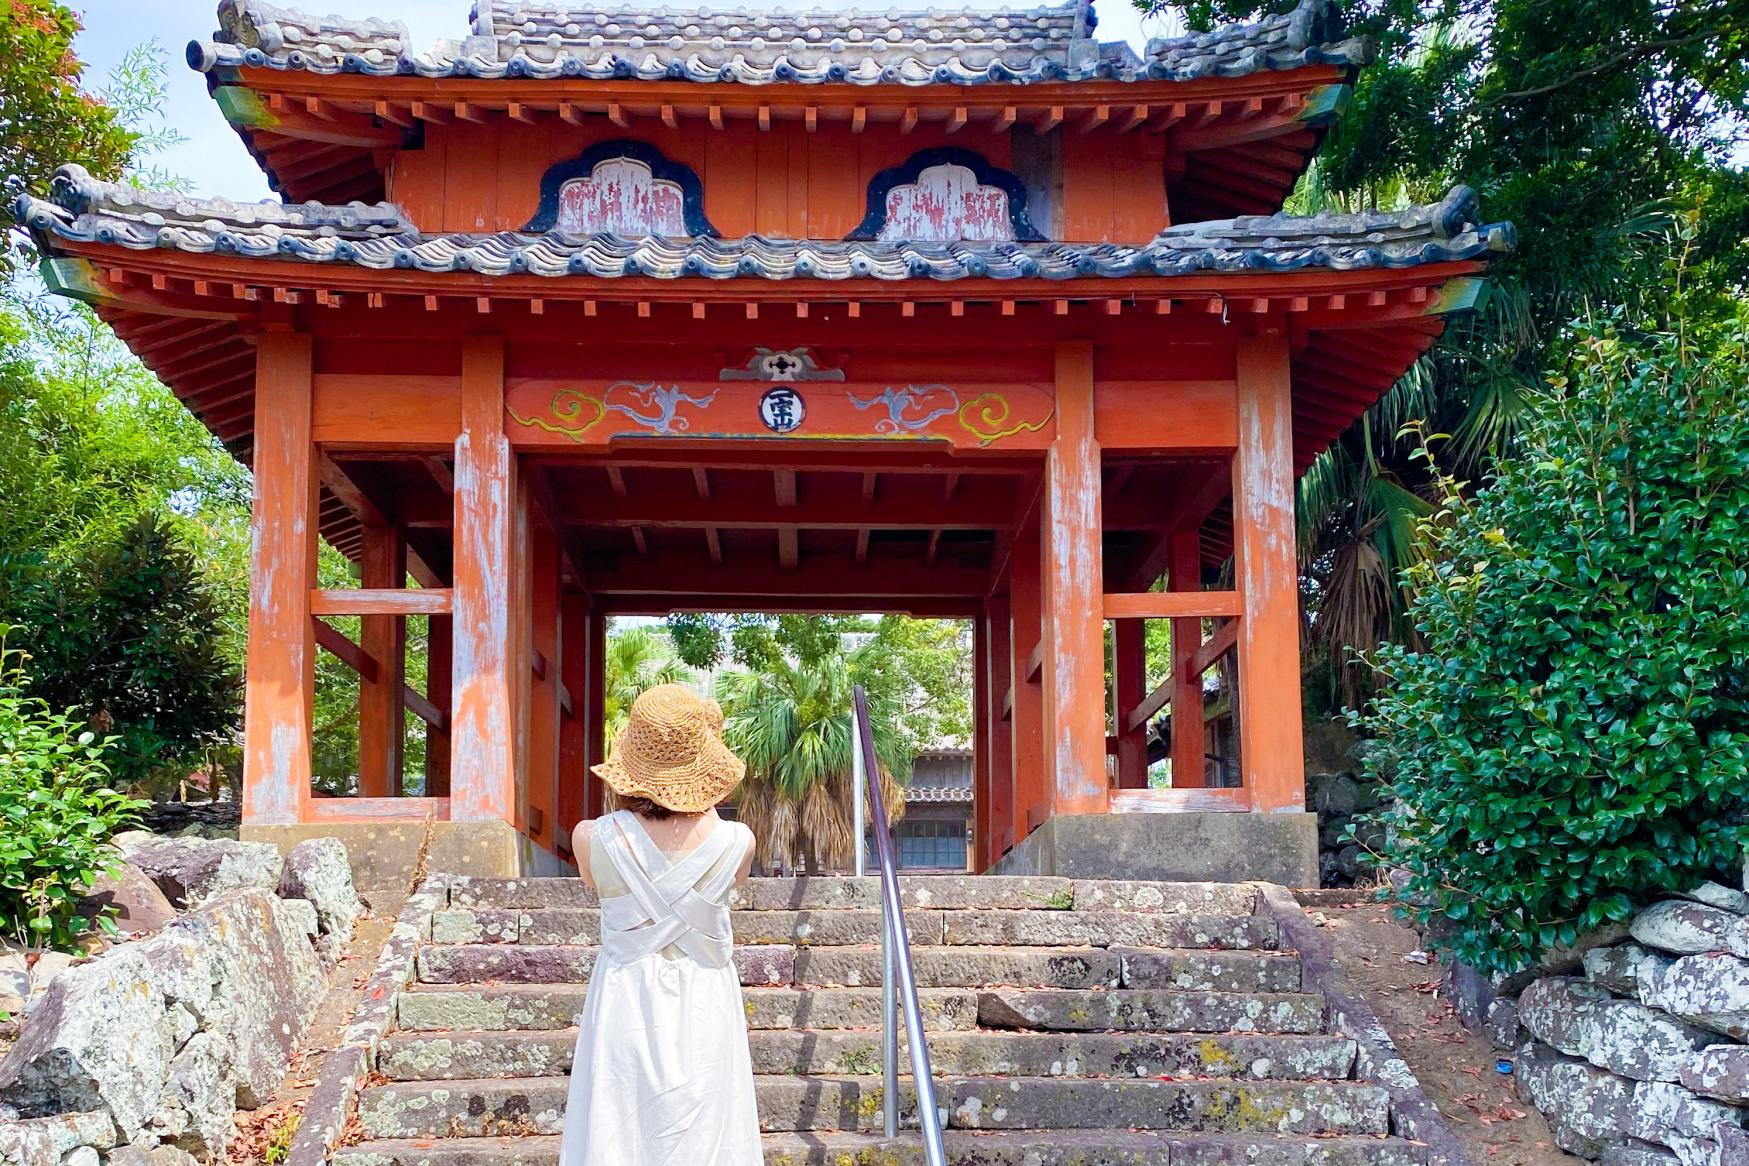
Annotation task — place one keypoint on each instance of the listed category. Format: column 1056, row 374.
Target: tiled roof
column 544, row 40
column 84, row 210
column 948, row 794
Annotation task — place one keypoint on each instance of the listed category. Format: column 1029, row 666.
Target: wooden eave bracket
column 81, row 279
column 248, row 110
column 1320, row 107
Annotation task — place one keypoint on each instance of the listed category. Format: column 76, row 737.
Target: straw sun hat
column 671, row 751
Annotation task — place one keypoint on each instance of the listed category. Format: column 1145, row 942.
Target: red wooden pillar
column 439, row 660
column 483, row 725
column 980, row 743
column 1074, row 595
column 546, row 666
column 1184, row 573
column 1271, row 747
column 574, row 673
column 595, row 741
column 382, row 718
column 999, row 819
column 1129, row 676
column 1025, row 596
column 280, row 674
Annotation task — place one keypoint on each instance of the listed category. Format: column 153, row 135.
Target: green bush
column 1571, row 739
column 57, row 814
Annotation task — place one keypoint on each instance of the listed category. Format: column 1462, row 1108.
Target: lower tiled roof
column 84, row 210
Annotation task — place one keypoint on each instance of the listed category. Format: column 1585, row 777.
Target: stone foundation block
column 1721, row 1072
column 1683, row 928
column 1196, row 847
column 1624, row 968
column 1711, row 991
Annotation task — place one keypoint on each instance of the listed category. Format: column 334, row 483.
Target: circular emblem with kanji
column 781, row 409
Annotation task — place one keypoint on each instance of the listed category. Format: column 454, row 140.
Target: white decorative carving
column 947, row 205
column 621, row 195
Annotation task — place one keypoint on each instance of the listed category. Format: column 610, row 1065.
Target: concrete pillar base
column 384, row 854
column 1217, row 847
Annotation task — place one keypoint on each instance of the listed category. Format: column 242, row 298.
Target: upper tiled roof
column 83, row 209
column 532, row 38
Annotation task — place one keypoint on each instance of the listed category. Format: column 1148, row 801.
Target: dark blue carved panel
column 661, row 167
column 987, row 175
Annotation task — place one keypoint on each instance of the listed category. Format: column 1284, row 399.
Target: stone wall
column 142, row 1054
column 1639, row 1059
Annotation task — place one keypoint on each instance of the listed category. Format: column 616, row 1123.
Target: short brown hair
column 646, row 808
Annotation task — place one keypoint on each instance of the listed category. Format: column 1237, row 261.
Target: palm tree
column 637, row 659
column 792, row 724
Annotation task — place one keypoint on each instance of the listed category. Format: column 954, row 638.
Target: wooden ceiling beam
column 675, row 574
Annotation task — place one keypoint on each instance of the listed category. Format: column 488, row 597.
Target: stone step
column 436, row 1007
column 1139, row 1010
column 950, row 892
column 860, row 967
column 515, row 1107
column 1005, row 1148
column 471, row 1055
column 482, row 963
column 847, row 926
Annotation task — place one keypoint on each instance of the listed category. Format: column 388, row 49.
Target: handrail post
column 898, row 978
column 859, row 806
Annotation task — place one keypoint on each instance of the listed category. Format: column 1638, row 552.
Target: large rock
column 1668, row 1114
column 1633, row 1152
column 1582, row 1020
column 47, row 1139
column 200, row 1105
column 137, row 904
column 1683, row 928
column 1723, row 897
column 317, row 869
column 1720, row 1071
column 1709, row 990
column 1557, row 1012
column 1590, row 1101
column 191, row 870
column 152, row 1156
column 270, row 979
column 100, row 1039
column 1623, row 968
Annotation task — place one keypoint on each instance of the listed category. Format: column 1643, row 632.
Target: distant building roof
column 527, row 39
column 82, row 209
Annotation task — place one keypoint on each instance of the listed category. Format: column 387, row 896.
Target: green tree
column 919, row 668
column 1591, row 125
column 1573, row 738
column 124, row 635
column 792, row 723
column 637, row 658
column 46, row 119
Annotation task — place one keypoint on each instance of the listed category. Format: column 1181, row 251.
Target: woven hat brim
column 689, row 788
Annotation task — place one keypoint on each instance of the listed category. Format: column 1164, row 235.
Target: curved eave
column 1236, row 145
column 192, row 319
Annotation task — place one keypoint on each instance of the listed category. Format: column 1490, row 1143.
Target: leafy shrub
column 57, row 814
column 1572, row 736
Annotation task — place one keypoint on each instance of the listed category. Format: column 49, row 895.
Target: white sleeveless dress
column 662, row 1076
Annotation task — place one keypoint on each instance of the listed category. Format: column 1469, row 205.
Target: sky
column 212, row 159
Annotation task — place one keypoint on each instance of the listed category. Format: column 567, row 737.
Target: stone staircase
column 1070, row 1024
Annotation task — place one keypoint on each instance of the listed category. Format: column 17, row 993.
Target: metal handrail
column 898, row 978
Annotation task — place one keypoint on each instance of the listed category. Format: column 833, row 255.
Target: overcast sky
column 213, row 160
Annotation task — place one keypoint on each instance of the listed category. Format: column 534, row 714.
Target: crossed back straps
column 670, row 903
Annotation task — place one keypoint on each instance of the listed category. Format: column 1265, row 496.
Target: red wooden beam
column 381, row 601
column 333, row 641
column 1171, row 604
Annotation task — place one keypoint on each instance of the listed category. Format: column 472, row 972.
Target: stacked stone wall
column 142, row 1054
column 1639, row 1057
